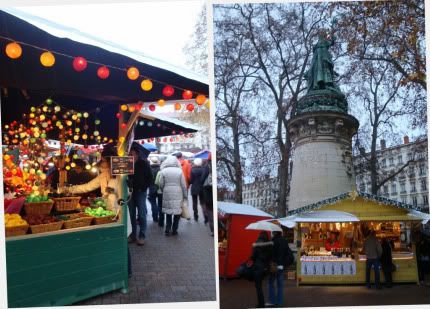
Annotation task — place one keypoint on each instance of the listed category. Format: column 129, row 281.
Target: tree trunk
column 374, row 160
column 237, row 165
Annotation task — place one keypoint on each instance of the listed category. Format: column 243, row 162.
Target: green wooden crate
column 65, row 267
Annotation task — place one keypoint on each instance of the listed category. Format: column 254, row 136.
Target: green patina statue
column 321, row 73
column 323, row 94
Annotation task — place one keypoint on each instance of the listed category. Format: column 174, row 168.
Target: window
column 414, row 200
column 411, row 171
column 400, row 159
column 413, row 187
column 386, row 189
column 422, row 170
column 410, row 156
column 404, row 199
column 424, row 184
column 383, row 163
column 391, row 159
column 393, row 188
column 425, row 200
column 402, row 187
column 362, row 188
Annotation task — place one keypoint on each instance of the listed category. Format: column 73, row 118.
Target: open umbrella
column 264, row 226
column 150, row 147
column 204, row 154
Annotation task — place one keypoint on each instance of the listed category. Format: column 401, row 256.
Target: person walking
column 262, row 254
column 197, row 187
column 174, row 188
column 154, row 197
column 140, row 181
column 280, row 257
column 206, row 180
column 186, row 168
column 387, row 262
column 373, row 251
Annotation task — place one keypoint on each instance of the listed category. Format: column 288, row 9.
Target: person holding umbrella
column 140, row 181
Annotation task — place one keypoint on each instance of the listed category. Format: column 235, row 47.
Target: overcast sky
column 157, row 29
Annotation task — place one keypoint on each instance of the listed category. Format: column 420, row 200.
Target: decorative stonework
column 322, row 100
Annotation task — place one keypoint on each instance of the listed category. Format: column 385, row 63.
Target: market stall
column 234, row 240
column 88, row 101
column 330, row 236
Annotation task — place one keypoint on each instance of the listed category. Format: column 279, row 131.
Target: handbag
column 185, row 212
column 246, row 270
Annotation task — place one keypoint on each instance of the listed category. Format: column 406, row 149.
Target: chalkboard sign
column 122, row 165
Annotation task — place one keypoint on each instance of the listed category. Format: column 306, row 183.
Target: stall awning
column 318, row 216
column 225, row 208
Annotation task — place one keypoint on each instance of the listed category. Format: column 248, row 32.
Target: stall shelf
column 236, row 247
column 67, row 266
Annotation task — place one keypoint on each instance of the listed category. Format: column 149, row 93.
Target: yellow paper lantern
column 13, row 50
column 73, row 164
column 200, row 99
column 124, row 107
column 161, row 102
column 133, row 73
column 131, row 108
column 121, row 139
column 47, row 59
column 146, row 85
column 121, row 152
column 87, row 167
column 68, row 167
column 208, row 104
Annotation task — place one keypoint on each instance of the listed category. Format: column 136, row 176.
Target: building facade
column 262, row 194
column 411, row 184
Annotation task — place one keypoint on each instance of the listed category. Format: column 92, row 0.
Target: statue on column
column 321, row 73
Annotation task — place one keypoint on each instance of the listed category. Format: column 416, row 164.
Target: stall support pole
column 299, row 253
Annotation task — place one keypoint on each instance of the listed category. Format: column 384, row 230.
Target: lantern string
column 90, row 61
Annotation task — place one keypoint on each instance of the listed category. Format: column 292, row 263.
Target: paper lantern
column 190, row 107
column 161, row 102
column 124, row 107
column 178, row 106
column 123, row 125
column 103, row 72
column 133, row 73
column 13, row 50
column 118, row 115
column 152, row 107
column 47, row 59
column 49, row 101
column 146, row 85
column 168, row 91
column 79, row 64
column 187, row 94
column 200, row 99
column 131, row 108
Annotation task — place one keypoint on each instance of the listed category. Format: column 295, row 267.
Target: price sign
column 122, row 165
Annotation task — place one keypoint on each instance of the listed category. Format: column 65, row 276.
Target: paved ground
column 238, row 293
column 169, row 269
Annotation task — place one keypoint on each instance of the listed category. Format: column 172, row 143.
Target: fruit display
column 98, row 212
column 12, row 220
column 37, row 199
column 40, row 219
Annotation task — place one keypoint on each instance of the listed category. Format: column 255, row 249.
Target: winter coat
column 142, row 177
column 186, row 169
column 386, row 257
column 262, row 254
column 195, row 180
column 102, row 181
column 173, row 186
column 155, row 168
column 372, row 247
column 280, row 250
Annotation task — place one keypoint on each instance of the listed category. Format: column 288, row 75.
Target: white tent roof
column 425, row 217
column 241, row 209
column 318, row 216
column 153, row 116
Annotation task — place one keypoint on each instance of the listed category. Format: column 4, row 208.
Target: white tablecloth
column 330, row 267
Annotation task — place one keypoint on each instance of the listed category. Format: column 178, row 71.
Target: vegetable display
column 98, row 212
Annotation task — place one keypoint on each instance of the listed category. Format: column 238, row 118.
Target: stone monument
column 321, row 131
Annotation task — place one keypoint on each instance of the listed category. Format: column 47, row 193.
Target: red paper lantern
column 103, row 72
column 79, row 64
column 187, row 94
column 190, row 107
column 168, row 91
column 152, row 107
column 123, row 125
column 118, row 115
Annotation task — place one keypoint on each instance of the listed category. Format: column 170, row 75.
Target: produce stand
column 346, row 220
column 236, row 245
column 68, row 265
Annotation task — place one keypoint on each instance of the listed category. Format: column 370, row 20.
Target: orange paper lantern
column 178, row 106
column 146, row 85
column 133, row 73
column 13, row 50
column 161, row 102
column 47, row 59
column 200, row 99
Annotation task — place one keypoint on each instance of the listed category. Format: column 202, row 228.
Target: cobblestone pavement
column 169, row 269
column 238, row 293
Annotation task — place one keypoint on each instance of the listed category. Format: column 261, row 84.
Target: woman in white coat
column 174, row 188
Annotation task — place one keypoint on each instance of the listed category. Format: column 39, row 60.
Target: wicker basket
column 66, row 203
column 78, row 221
column 40, row 208
column 43, row 228
column 103, row 220
column 16, row 230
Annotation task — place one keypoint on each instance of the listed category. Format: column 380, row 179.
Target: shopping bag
column 185, row 212
column 246, row 270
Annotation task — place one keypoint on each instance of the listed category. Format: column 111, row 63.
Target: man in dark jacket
column 373, row 251
column 206, row 181
column 197, row 188
column 280, row 256
column 262, row 254
column 387, row 262
column 154, row 197
column 140, row 181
